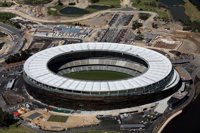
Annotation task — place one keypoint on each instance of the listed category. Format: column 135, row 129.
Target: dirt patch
column 12, row 98
column 165, row 45
column 98, row 21
column 188, row 46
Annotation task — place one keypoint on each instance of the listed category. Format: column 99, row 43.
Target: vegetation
column 36, row 2
column 5, row 18
column 60, row 3
column 111, row 3
column 94, row 8
column 151, row 5
column 136, row 25
column 192, row 11
column 16, row 129
column 23, row 55
column 196, row 3
column 193, row 26
column 6, row 4
column 97, row 75
column 144, row 16
column 97, row 6
column 72, row 4
column 154, row 25
column 57, row 118
column 94, row 1
column 139, row 37
column 6, row 119
column 2, row 34
column 55, row 10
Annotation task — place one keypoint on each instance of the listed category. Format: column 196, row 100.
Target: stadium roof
column 159, row 68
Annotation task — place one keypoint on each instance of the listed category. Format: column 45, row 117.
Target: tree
column 144, row 16
column 154, row 25
column 60, row 3
column 136, row 25
column 23, row 55
column 6, row 119
column 94, row 1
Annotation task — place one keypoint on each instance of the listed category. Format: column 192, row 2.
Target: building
column 152, row 76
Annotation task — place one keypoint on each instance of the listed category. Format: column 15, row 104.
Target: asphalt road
column 17, row 37
column 69, row 19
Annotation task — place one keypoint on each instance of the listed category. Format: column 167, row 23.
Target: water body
column 73, row 11
column 187, row 121
column 79, row 11
column 176, row 9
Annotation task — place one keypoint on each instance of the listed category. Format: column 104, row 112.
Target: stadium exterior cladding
column 157, row 81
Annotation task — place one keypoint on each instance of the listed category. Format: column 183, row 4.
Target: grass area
column 98, row 131
column 192, row 11
column 97, row 6
column 111, row 3
column 15, row 129
column 5, row 18
column 97, row 75
column 36, row 2
column 54, row 11
column 94, row 8
column 57, row 118
column 151, row 5
column 6, row 4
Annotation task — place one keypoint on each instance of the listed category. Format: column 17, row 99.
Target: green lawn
column 151, row 5
column 112, row 3
column 57, row 118
column 97, row 75
column 191, row 11
column 36, row 2
column 14, row 129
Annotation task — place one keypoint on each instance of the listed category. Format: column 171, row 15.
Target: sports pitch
column 57, row 118
column 97, row 75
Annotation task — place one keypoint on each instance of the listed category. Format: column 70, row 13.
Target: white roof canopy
column 159, row 67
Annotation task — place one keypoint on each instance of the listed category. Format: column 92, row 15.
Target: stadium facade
column 152, row 76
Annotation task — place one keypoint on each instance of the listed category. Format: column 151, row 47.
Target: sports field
column 96, row 75
column 57, row 118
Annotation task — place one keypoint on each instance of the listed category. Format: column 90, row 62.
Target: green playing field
column 96, row 75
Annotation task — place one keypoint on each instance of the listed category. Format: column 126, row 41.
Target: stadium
column 99, row 76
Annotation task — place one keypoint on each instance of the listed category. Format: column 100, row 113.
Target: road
column 17, row 38
column 69, row 19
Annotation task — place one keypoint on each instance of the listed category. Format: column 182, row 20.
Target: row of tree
column 5, row 18
column 6, row 4
column 23, row 55
column 136, row 25
column 192, row 26
column 144, row 16
column 36, row 2
column 6, row 119
column 94, row 1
